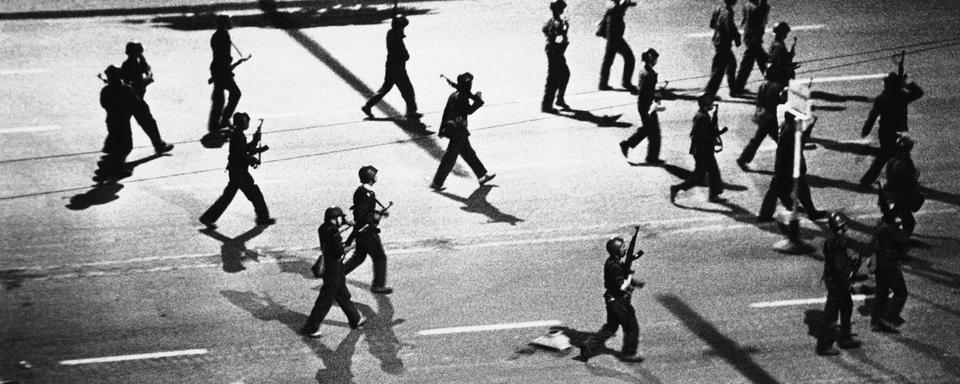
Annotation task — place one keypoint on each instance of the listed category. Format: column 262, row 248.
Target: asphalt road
column 97, row 272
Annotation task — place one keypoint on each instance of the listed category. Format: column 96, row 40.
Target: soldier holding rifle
column 367, row 231
column 221, row 75
column 460, row 104
column 704, row 142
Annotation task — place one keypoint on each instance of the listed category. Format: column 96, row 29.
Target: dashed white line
column 42, row 128
column 142, row 356
column 785, row 303
column 769, row 30
column 845, row 78
column 490, row 327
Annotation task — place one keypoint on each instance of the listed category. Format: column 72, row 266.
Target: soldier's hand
column 478, row 96
column 637, row 255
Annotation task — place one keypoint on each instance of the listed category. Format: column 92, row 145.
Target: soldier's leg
column 379, row 259
column 638, row 135
column 717, row 67
column 470, row 157
column 359, row 254
column 899, row 299
column 552, row 83
column 906, row 218
column 216, row 106
column 828, row 329
column 876, row 167
column 214, row 212
column 149, row 124
column 254, row 194
column 608, row 329
column 386, row 87
column 762, row 58
column 846, row 312
column 343, row 300
column 232, row 101
column 731, row 68
column 608, row 55
column 321, row 307
column 803, row 195
column 880, row 297
column 653, row 137
column 770, row 200
column 746, row 65
column 447, row 162
column 713, row 170
column 631, row 330
column 750, row 150
column 562, row 84
column 629, row 61
column 406, row 91
column 699, row 172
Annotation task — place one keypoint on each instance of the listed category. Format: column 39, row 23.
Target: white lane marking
column 490, row 327
column 23, row 71
column 785, row 303
column 218, row 185
column 844, row 78
column 769, row 30
column 142, row 356
column 42, row 128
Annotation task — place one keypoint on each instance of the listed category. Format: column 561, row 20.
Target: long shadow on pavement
column 684, row 174
column 103, row 193
column 234, row 249
column 477, row 203
column 311, row 16
column 382, row 340
column 587, row 116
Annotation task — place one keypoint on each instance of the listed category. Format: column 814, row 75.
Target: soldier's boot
column 825, row 347
column 848, row 342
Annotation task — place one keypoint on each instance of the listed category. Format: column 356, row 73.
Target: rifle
column 900, row 73
column 259, row 149
column 382, row 212
column 714, row 123
column 630, row 257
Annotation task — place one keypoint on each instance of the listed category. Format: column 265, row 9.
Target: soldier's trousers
column 330, row 292
column 780, row 188
column 243, row 181
column 887, row 151
column 706, row 166
column 368, row 243
column 723, row 62
column 396, row 75
column 620, row 313
column 558, row 75
column 767, row 129
column 220, row 115
column 617, row 46
column 458, row 147
column 650, row 130
column 839, row 304
column 888, row 308
column 753, row 53
column 149, row 124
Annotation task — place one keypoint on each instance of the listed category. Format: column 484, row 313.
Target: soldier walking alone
column 612, row 28
column 454, row 127
column 650, row 128
column 754, row 23
column 558, row 74
column 903, row 185
column 367, row 231
column 396, row 71
column 891, row 245
column 838, row 267
column 221, row 75
column 703, row 140
column 137, row 74
column 724, row 33
column 891, row 107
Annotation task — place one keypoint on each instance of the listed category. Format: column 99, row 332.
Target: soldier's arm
column 477, row 103
column 914, row 92
column 871, row 118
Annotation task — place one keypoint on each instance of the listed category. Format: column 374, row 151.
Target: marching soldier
column 891, row 244
column 781, row 67
column 558, row 74
column 221, row 72
column 891, row 107
column 838, row 267
column 334, row 286
column 454, row 127
column 619, row 283
column 136, row 73
column 650, row 128
column 781, row 185
column 612, row 28
column 239, row 160
column 396, row 71
column 770, row 95
column 703, row 140
column 903, row 186
column 367, row 231
column 724, row 33
column 754, row 23
column 120, row 102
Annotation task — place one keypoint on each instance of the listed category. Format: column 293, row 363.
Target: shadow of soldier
column 234, row 250
column 381, row 339
column 579, row 339
column 98, row 195
column 337, row 362
column 297, row 18
column 587, row 116
column 477, row 203
column 684, row 174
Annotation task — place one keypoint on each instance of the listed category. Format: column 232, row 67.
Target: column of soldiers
column 123, row 98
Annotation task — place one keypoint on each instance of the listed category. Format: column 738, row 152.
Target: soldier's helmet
column 904, row 143
column 705, row 100
column 613, row 246
column 399, row 21
column 223, row 21
column 464, row 79
column 134, row 48
column 333, row 213
column 113, row 73
column 781, row 28
column 241, row 119
column 649, row 54
column 838, row 221
column 557, row 5
column 891, row 81
column 366, row 173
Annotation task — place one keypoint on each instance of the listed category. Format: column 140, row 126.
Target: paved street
column 122, row 284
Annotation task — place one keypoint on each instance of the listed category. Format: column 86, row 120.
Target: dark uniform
column 724, row 33
column 121, row 102
column 781, row 185
column 334, row 286
column 238, row 163
column 781, row 67
column 615, row 27
column 769, row 96
column 620, row 312
column 558, row 74
column 221, row 72
column 703, row 138
column 136, row 72
column 454, row 127
column 837, row 268
column 891, row 107
column 903, row 188
column 396, row 70
column 754, row 24
column 651, row 122
column 891, row 248
column 368, row 236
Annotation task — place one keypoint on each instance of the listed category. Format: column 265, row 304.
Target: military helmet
column 613, row 246
column 905, row 143
column 705, row 100
column 113, row 73
column 399, row 21
column 781, row 27
column 464, row 78
column 241, row 118
column 649, row 55
column 366, row 173
column 333, row 213
column 837, row 221
column 134, row 48
column 557, row 5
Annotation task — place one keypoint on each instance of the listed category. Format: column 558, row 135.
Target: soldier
column 724, row 33
column 891, row 107
column 367, row 231
column 120, row 102
column 239, row 160
column 703, row 139
column 650, row 128
column 619, row 283
column 454, row 127
column 221, row 72
column 891, row 244
column 396, row 70
column 334, row 286
column 612, row 28
column 754, row 23
column 770, row 95
column 781, row 185
column 838, row 267
column 558, row 74
column 136, row 73
column 781, row 67
column 903, row 185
